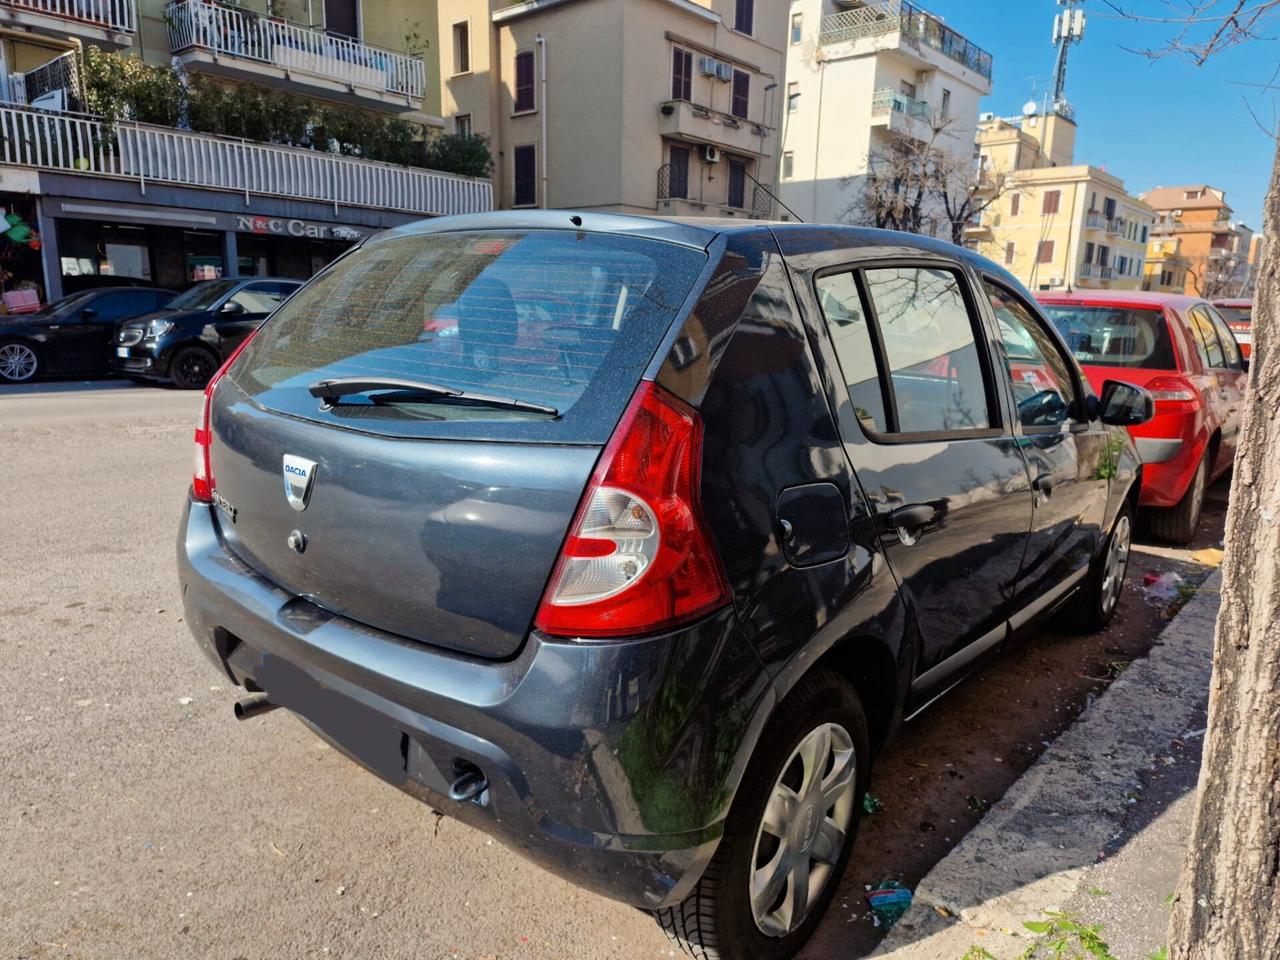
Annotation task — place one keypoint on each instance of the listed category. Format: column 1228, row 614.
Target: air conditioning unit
column 708, row 66
column 710, row 154
column 724, row 71
column 1055, row 281
column 18, row 88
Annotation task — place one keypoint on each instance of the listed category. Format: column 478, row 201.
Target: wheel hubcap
column 17, row 362
column 804, row 829
column 1117, row 563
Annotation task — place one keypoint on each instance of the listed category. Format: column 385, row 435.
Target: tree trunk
column 1228, row 905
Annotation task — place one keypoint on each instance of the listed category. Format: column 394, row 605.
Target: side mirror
column 231, row 308
column 1124, row 405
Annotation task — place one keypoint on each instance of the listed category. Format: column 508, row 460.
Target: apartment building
column 1196, row 247
column 634, row 106
column 859, row 74
column 95, row 202
column 1057, row 225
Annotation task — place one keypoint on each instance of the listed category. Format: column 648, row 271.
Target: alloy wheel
column 1117, row 562
column 804, row 829
column 194, row 368
column 18, row 362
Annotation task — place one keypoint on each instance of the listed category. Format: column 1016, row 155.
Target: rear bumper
column 612, row 765
column 1168, row 468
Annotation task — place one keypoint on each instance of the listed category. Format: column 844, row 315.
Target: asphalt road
column 139, row 820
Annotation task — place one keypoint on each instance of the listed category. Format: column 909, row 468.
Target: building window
column 1015, row 204
column 1104, row 256
column 788, row 165
column 525, row 100
column 741, row 94
column 1045, row 252
column 462, row 47
column 1093, row 201
column 1088, row 253
column 462, row 124
column 907, row 89
column 793, row 97
column 737, row 184
column 1144, row 234
column 744, row 13
column 946, row 103
column 1008, row 253
column 678, row 173
column 1109, row 207
column 681, row 74
column 342, row 17
column 797, row 26
column 1052, row 200
column 525, row 166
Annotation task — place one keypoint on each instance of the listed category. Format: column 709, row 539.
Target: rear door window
column 263, row 296
column 1206, row 338
column 1230, row 349
column 1044, row 389
column 562, row 319
column 1133, row 337
column 906, row 340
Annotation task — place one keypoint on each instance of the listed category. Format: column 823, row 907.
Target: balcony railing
column 75, row 143
column 244, row 35
column 1165, row 227
column 1117, row 225
column 1096, row 271
column 118, row 15
column 888, row 100
column 1095, row 221
column 889, row 16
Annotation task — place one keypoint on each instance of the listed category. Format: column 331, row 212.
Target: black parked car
column 187, row 341
column 631, row 541
column 71, row 335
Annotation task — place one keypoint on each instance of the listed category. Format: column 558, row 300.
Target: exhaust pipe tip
column 252, row 706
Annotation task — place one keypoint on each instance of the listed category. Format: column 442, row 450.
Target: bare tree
column 1228, row 903
column 915, row 183
column 1224, row 274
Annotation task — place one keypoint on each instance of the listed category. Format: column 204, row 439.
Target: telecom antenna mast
column 1068, row 28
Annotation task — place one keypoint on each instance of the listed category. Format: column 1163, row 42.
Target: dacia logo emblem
column 299, row 474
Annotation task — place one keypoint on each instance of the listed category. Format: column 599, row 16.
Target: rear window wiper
column 417, row 391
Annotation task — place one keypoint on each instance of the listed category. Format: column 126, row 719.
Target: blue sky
column 1151, row 123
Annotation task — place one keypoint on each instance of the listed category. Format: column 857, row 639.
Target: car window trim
column 1204, row 316
column 1219, row 325
column 1074, row 423
column 995, row 409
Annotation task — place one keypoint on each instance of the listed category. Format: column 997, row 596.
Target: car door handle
column 913, row 515
column 55, row 326
column 1043, row 485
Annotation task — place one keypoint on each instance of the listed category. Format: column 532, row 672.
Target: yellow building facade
column 1057, row 225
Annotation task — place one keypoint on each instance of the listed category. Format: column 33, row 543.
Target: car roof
column 1233, row 302
column 700, row 232
column 122, row 289
column 1121, row 298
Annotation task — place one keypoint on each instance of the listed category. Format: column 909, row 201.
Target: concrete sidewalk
column 1097, row 826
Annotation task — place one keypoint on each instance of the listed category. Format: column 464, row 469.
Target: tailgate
column 443, row 541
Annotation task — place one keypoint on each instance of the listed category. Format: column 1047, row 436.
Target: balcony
column 231, row 41
column 1095, row 221
column 915, row 27
column 109, row 23
column 1117, row 226
column 1166, row 228
column 673, row 200
column 683, row 120
column 76, row 143
column 899, row 113
column 1094, row 271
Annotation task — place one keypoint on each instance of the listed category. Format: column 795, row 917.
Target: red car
column 1238, row 312
column 1181, row 350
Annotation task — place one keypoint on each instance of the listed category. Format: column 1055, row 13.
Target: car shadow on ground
column 944, row 769
column 57, row 386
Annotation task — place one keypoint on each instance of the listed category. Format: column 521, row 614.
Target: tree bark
column 1228, row 905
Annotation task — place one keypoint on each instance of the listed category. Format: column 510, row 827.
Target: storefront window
column 203, row 253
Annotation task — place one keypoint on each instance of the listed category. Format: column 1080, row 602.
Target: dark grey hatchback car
column 630, row 541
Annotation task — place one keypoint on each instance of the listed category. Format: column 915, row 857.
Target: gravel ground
column 138, row 819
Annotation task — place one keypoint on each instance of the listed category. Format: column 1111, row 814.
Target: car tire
column 718, row 919
column 1099, row 598
column 192, row 368
column 1178, row 524
column 20, row 362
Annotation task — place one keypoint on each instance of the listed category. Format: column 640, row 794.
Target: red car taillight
column 639, row 557
column 202, row 483
column 1173, row 393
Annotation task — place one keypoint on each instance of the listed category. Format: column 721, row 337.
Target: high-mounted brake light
column 202, row 483
column 639, row 557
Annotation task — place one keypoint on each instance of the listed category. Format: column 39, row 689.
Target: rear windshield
column 557, row 319
column 1114, row 336
column 1235, row 314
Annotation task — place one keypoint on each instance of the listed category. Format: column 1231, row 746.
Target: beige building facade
column 1196, row 246
column 859, row 75
column 1057, row 225
column 634, row 106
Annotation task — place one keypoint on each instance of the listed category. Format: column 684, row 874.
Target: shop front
column 181, row 236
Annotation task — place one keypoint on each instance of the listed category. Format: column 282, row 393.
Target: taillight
column 1241, row 327
column 202, row 483
column 638, row 557
column 1173, row 393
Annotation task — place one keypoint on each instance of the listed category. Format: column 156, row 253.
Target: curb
column 1031, row 851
